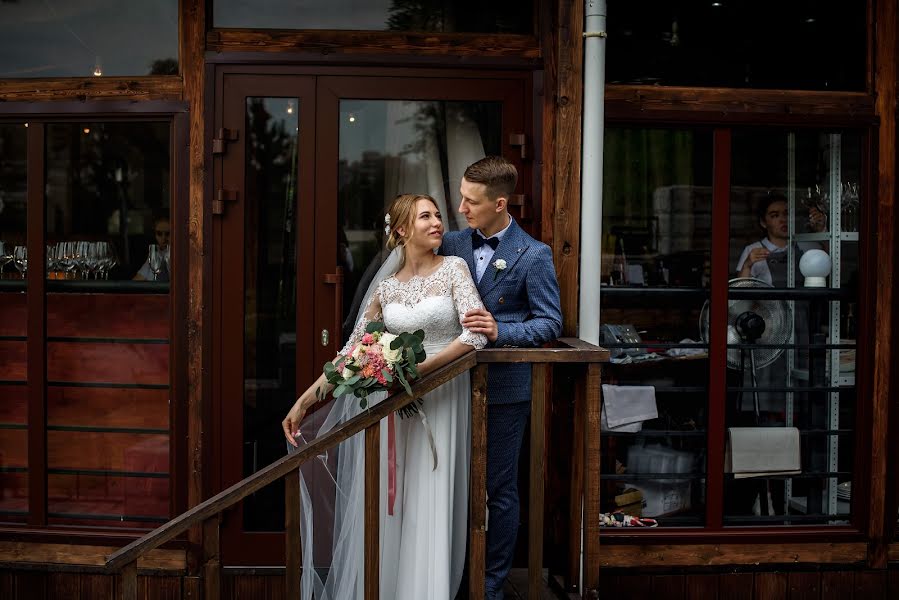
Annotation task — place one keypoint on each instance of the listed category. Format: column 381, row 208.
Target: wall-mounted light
column 86, row 130
column 290, row 107
column 351, row 118
column 98, row 68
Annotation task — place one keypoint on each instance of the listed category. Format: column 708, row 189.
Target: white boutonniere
column 500, row 265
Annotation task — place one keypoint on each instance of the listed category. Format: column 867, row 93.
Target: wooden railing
column 585, row 483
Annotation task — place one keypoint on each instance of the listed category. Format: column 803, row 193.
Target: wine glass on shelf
column 154, row 259
column 20, row 259
column 52, row 262
column 5, row 256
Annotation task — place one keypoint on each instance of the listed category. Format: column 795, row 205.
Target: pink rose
column 368, row 339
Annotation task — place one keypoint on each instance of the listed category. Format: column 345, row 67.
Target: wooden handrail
column 585, row 489
column 283, row 466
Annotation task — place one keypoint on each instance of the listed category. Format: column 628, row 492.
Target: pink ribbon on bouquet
column 391, row 463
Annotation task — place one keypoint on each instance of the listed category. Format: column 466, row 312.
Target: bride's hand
column 291, row 423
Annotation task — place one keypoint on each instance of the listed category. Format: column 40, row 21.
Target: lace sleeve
column 466, row 298
column 371, row 313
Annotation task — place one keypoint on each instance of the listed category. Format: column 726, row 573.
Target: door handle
column 335, row 279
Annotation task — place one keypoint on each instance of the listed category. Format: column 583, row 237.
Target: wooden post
column 883, row 230
column 192, row 60
column 537, row 480
column 591, row 414
column 129, row 581
column 212, row 563
column 477, row 555
column 538, row 458
column 576, row 502
column 372, row 554
column 293, row 549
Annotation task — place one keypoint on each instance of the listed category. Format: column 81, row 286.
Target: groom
column 517, row 282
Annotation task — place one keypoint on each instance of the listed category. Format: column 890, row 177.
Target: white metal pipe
column 591, row 169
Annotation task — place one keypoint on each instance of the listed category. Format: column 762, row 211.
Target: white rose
column 357, row 352
column 347, row 373
column 500, row 264
column 391, row 356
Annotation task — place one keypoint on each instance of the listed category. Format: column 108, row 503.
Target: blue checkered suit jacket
column 523, row 298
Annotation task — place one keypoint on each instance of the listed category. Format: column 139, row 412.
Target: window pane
column 791, row 326
column 82, row 38
column 657, row 201
column 733, row 43
column 270, row 266
column 108, row 199
column 390, row 147
column 108, row 337
column 503, row 16
column 13, row 322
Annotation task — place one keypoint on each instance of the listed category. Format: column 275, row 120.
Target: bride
column 424, row 497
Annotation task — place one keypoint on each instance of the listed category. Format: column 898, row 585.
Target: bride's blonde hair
column 402, row 213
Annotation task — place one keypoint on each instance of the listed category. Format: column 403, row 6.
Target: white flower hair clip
column 387, row 224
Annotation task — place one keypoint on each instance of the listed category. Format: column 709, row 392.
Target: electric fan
column 765, row 322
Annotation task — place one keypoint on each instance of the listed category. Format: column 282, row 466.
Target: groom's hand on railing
column 479, row 320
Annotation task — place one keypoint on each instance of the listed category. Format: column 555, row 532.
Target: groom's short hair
column 497, row 174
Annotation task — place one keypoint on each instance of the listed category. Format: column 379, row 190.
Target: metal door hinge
column 220, row 141
column 521, row 201
column 520, row 140
column 222, row 196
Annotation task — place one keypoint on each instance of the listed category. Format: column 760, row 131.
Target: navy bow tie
column 477, row 241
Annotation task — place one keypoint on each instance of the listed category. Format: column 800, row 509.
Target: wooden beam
column 129, row 581
column 212, row 558
column 153, row 87
column 478, row 477
column 84, row 555
column 192, row 49
column 537, row 479
column 883, row 227
column 543, row 355
column 548, row 83
column 374, row 42
column 640, row 556
column 292, row 537
column 591, row 416
column 733, row 105
column 566, row 161
column 372, row 553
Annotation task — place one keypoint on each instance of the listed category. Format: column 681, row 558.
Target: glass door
column 304, row 169
column 263, row 234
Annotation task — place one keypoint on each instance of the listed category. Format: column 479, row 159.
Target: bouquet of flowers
column 376, row 363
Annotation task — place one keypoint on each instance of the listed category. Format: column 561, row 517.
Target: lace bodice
column 434, row 304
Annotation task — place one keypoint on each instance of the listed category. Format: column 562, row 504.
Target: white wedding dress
column 423, row 541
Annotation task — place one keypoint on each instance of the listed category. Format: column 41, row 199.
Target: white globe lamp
column 815, row 266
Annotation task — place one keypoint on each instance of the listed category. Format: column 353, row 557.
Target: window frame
column 38, row 115
column 626, row 107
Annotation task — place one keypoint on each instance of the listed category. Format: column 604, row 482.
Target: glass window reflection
column 657, row 202
column 791, row 326
column 108, row 201
column 85, row 38
column 718, row 44
column 502, row 16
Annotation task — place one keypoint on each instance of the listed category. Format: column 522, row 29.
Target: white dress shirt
column 483, row 254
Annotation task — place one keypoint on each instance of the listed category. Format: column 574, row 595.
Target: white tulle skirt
column 423, row 541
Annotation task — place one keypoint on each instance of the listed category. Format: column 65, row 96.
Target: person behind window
column 162, row 230
column 767, row 258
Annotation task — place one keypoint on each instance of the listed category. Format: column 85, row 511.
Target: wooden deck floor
column 517, row 587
